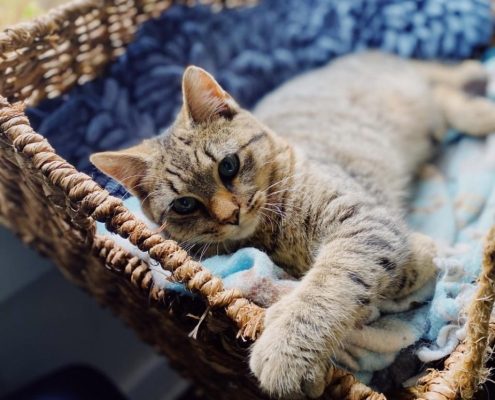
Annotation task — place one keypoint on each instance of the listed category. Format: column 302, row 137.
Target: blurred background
column 13, row 11
column 52, row 331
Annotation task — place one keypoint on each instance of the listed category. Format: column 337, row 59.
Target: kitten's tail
column 459, row 91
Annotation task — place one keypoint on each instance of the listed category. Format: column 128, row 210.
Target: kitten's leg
column 468, row 75
column 469, row 114
column 305, row 329
column 458, row 90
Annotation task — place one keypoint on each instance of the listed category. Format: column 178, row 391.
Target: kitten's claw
column 284, row 368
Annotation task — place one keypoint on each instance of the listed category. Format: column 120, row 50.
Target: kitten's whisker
column 280, row 191
column 267, row 217
column 276, row 207
column 279, row 216
column 277, row 183
column 273, row 221
column 188, row 244
column 146, row 198
column 288, row 207
column 161, row 228
column 206, row 246
column 283, row 180
column 283, row 190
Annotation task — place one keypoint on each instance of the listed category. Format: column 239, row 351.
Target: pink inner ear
column 203, row 96
column 211, row 86
column 127, row 169
column 127, row 166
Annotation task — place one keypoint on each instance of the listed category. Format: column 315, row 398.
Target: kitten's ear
column 128, row 166
column 204, row 98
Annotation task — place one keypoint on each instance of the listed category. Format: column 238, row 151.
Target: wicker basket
column 54, row 208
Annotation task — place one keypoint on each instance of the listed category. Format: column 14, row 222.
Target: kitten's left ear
column 129, row 166
column 204, row 98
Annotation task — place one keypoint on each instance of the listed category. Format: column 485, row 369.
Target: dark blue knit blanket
column 250, row 51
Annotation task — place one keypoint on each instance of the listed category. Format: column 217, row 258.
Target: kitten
column 319, row 185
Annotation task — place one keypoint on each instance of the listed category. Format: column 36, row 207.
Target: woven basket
column 54, row 208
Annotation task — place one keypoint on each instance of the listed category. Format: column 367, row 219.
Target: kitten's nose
column 233, row 219
column 224, row 209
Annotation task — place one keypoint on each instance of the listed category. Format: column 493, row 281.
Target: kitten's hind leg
column 459, row 91
column 469, row 75
column 469, row 114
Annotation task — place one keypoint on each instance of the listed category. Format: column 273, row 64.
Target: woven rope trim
column 341, row 384
column 55, row 21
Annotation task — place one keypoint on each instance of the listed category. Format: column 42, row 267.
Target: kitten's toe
column 314, row 388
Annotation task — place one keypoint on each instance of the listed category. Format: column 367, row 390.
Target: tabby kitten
column 323, row 196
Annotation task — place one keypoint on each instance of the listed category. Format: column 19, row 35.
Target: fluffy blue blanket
column 251, row 51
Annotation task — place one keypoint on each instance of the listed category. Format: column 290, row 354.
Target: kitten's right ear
column 204, row 99
column 128, row 166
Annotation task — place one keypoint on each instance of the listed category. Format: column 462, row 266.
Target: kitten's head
column 213, row 176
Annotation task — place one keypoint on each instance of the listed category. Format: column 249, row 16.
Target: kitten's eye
column 229, row 167
column 185, row 205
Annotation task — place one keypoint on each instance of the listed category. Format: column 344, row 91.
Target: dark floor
column 46, row 324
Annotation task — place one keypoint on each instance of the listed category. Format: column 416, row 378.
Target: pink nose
column 224, row 208
column 233, row 219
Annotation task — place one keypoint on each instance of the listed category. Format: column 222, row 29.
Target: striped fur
column 323, row 196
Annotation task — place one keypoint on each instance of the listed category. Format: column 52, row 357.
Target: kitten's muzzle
column 225, row 208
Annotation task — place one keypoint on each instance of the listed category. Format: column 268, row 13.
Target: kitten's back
column 371, row 112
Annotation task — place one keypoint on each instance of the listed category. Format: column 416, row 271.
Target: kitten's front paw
column 285, row 363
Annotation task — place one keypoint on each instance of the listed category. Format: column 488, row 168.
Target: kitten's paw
column 283, row 372
column 285, row 363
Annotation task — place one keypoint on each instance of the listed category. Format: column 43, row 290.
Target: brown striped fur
column 327, row 207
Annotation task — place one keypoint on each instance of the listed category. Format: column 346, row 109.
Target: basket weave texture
column 54, row 208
